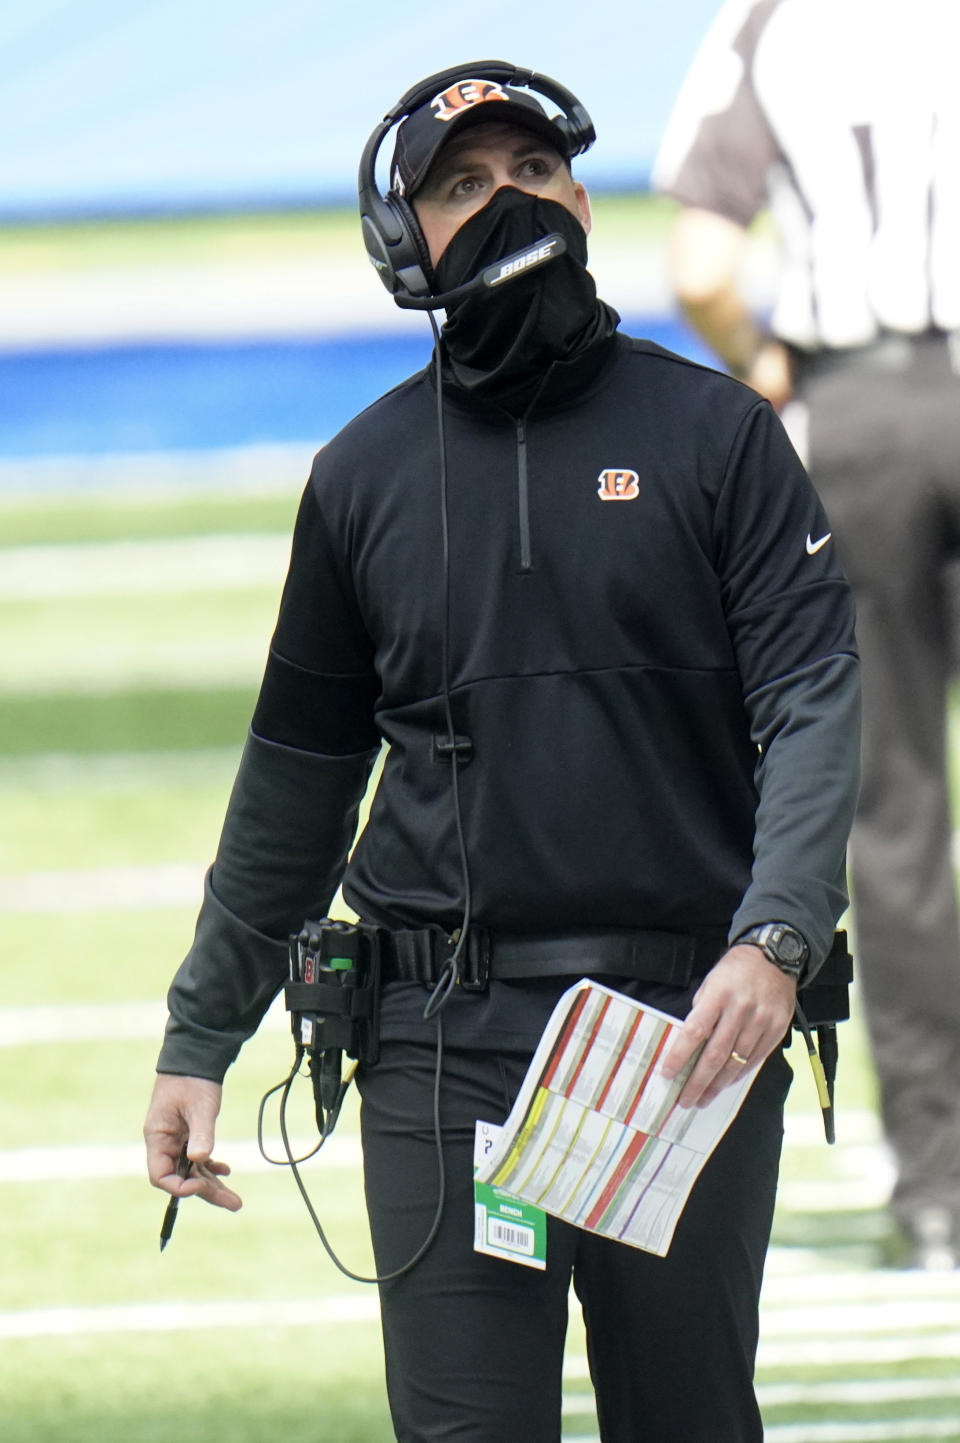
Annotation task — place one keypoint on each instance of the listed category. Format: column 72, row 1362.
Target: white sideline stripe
column 827, row 1319
column 100, row 1022
column 909, row 1430
column 856, row 1352
column 797, row 1350
column 866, row 1390
column 869, row 1392
column 190, row 663
column 325, row 294
column 84, row 1164
column 178, row 1317
column 874, row 1287
column 83, row 1022
column 71, row 1162
column 847, row 1194
column 176, row 884
column 128, row 568
column 133, row 478
column 801, row 1353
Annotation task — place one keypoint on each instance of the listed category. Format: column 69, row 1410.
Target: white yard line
column 904, row 1430
column 122, row 1160
column 327, row 294
column 826, row 1318
column 145, row 1020
column 901, row 1430
column 175, row 884
column 136, row 478
column 873, row 1287
column 857, row 1352
column 100, row 1022
column 82, row 1022
column 359, row 1307
column 129, row 568
column 870, row 1391
column 798, row 1349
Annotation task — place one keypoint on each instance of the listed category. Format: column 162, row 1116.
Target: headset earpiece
column 391, row 231
column 413, row 235
column 395, row 244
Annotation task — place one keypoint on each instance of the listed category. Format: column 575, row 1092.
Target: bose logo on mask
column 544, row 250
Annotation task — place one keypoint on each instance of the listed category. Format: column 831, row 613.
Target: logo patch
column 618, row 485
column 462, row 96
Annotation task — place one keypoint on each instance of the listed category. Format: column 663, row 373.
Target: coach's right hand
column 183, row 1110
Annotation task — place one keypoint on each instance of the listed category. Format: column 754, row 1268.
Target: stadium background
column 185, row 315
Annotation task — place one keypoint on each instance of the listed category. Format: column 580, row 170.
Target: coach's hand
column 184, row 1110
column 741, row 1012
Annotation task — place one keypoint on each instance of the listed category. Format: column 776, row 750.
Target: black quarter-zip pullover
column 653, row 660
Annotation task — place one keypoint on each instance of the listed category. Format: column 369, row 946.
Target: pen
column 170, row 1215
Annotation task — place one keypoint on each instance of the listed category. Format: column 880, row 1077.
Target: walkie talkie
column 333, row 998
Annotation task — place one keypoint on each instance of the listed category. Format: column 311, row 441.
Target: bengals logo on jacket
column 460, row 97
column 618, row 485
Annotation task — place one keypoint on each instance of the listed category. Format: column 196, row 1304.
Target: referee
column 842, row 119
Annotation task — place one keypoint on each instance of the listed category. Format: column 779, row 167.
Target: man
column 583, row 617
column 841, row 117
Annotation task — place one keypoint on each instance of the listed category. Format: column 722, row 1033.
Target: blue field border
column 208, row 395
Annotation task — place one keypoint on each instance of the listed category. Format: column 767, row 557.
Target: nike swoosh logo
column 814, row 546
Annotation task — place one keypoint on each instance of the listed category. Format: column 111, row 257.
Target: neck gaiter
column 499, row 344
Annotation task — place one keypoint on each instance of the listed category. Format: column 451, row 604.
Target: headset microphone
column 507, row 269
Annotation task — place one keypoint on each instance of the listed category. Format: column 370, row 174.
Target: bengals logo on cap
column 461, row 97
column 618, row 485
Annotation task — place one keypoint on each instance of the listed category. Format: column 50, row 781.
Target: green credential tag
column 505, row 1227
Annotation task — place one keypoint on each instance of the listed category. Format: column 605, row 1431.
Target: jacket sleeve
column 791, row 621
column 718, row 145
column 292, row 813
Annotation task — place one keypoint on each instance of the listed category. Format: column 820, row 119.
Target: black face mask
column 500, row 343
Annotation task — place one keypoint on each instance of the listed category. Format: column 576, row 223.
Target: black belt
column 671, row 957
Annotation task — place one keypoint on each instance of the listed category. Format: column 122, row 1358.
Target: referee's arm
column 706, row 254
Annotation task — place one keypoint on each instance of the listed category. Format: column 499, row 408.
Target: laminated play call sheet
column 595, row 1136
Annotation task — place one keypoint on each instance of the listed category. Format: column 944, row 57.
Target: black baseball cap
column 468, row 102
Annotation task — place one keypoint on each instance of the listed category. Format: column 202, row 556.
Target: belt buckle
column 475, row 962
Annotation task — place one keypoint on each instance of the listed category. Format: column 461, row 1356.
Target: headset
column 391, row 232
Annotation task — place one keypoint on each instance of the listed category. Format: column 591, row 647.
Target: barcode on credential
column 515, row 1236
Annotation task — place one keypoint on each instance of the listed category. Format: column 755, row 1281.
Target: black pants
column 884, row 453
column 474, row 1344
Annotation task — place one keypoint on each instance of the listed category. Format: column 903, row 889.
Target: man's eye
column 534, row 167
column 466, row 186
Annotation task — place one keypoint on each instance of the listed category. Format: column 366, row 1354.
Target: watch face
column 788, row 947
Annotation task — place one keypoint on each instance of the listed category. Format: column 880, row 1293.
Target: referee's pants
column 884, row 454
column 474, row 1344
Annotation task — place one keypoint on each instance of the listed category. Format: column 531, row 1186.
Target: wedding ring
column 740, row 1061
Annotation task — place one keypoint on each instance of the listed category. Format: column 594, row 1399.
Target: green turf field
column 122, row 719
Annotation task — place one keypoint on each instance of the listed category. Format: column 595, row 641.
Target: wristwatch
column 781, row 944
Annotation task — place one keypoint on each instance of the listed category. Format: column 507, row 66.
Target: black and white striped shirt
column 842, row 116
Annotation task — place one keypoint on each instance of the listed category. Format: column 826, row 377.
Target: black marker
column 170, row 1216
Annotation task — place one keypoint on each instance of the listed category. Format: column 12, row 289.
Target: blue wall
column 202, row 395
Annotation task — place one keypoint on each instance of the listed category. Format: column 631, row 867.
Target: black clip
column 461, row 747
column 474, row 969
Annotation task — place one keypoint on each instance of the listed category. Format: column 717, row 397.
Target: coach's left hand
column 741, row 1012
